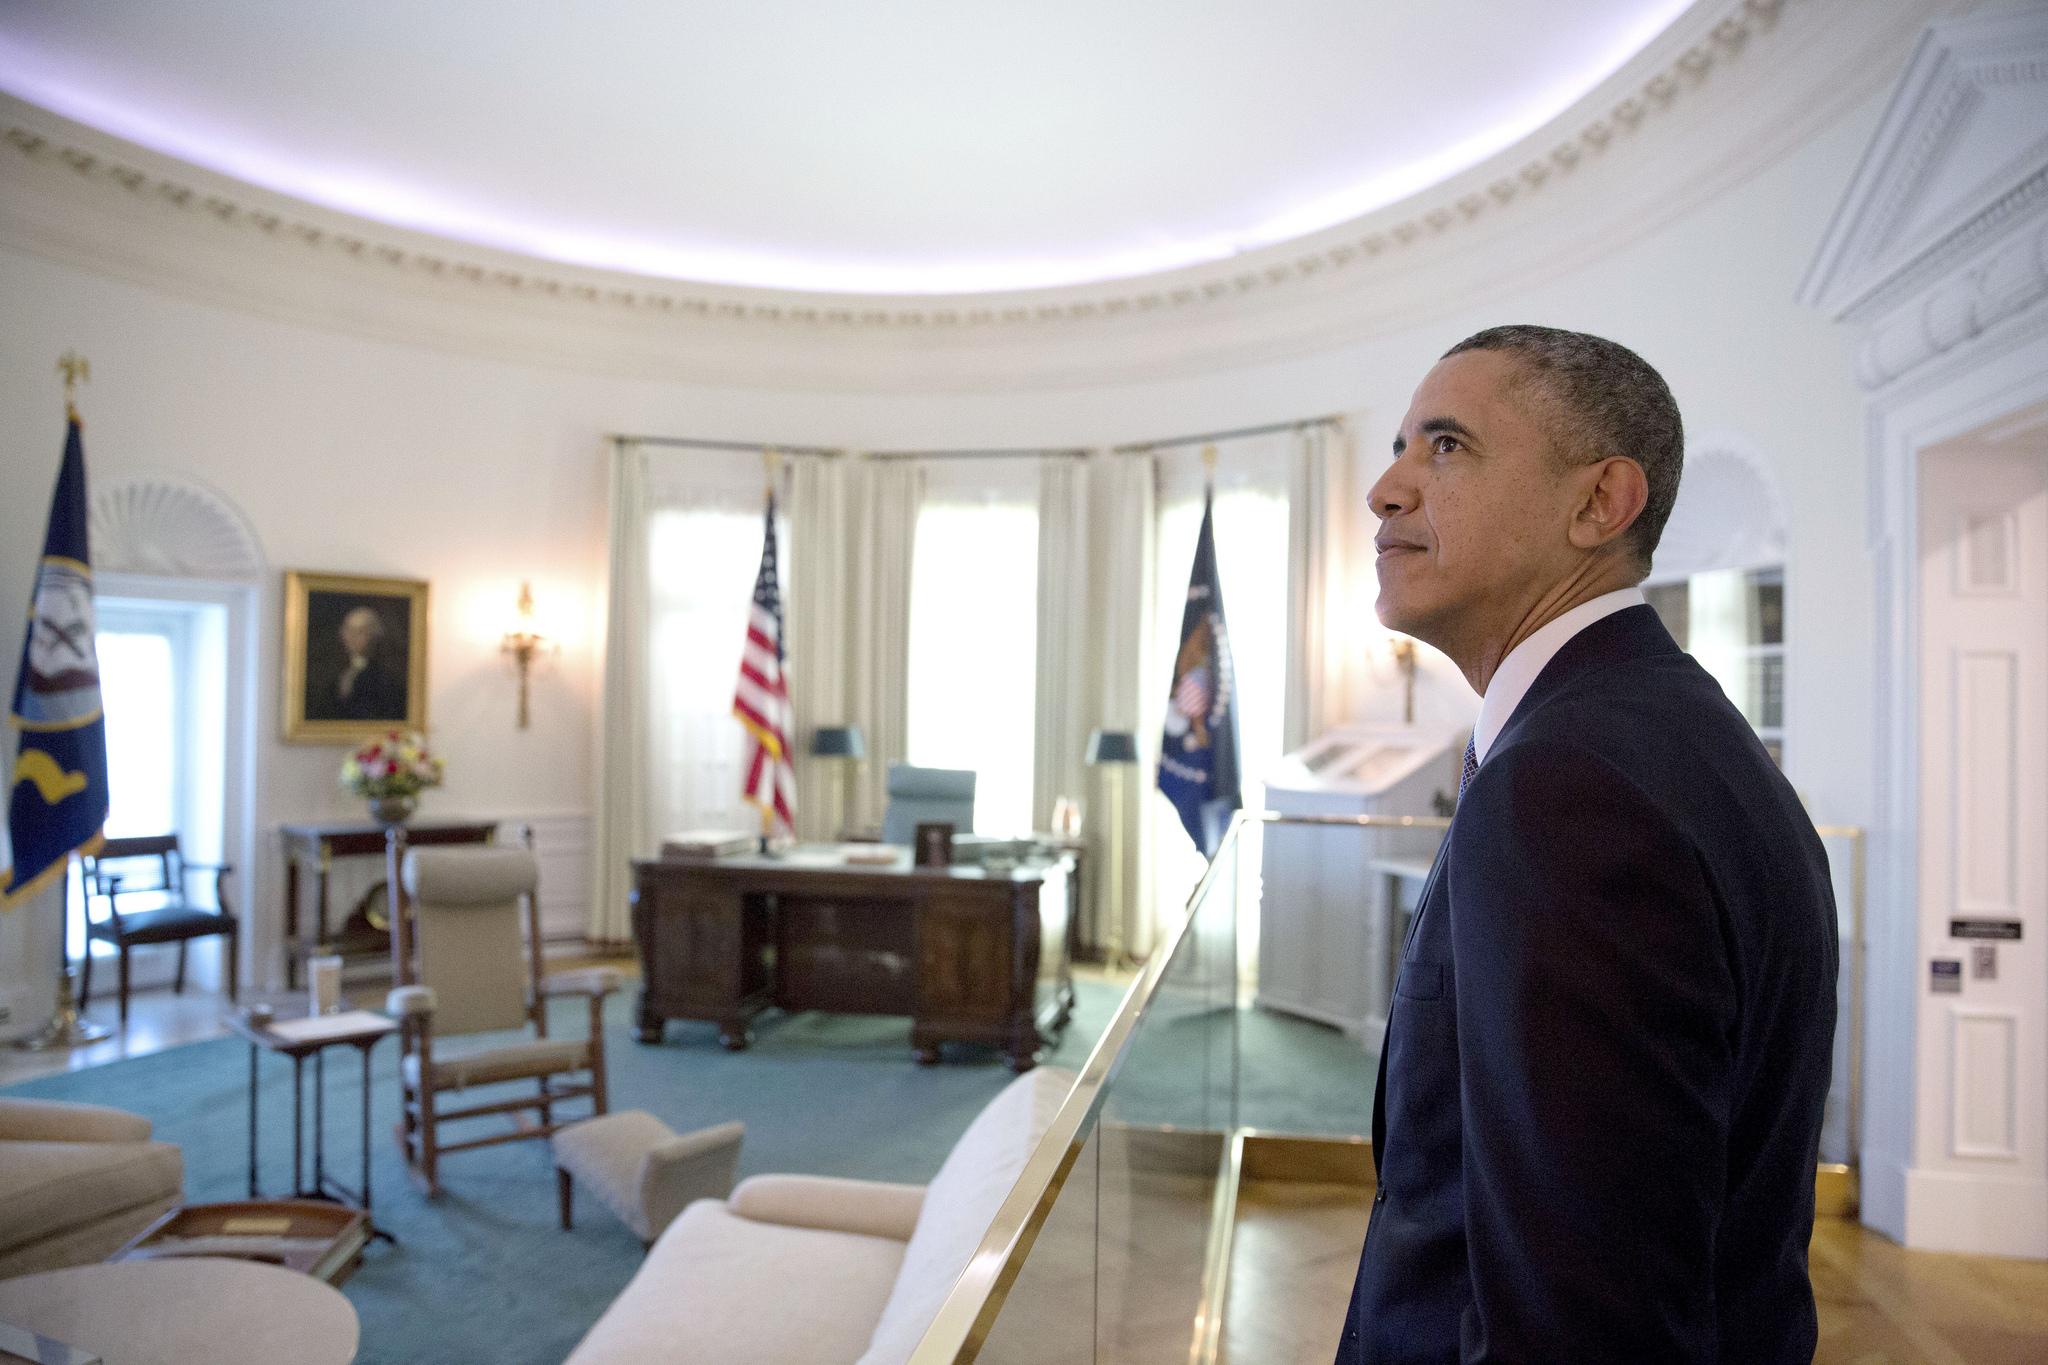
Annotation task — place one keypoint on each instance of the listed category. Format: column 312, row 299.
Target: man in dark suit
column 1609, row 1046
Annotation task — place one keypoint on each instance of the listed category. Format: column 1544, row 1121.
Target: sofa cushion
column 961, row 1203
column 46, row 1187
column 719, row 1289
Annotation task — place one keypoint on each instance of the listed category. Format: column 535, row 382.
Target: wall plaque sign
column 1984, row 928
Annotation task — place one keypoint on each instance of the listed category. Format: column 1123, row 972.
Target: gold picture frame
column 355, row 657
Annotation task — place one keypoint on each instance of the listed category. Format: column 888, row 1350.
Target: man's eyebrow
column 1431, row 426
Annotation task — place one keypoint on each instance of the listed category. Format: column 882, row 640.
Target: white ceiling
column 887, row 146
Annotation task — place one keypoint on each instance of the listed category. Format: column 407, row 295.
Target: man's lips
column 1388, row 548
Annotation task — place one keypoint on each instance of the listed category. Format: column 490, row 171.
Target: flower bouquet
column 391, row 772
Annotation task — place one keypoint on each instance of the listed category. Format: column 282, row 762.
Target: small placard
column 1984, row 961
column 1945, row 976
column 2007, row 929
column 255, row 1227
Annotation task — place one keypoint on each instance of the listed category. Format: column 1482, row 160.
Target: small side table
column 298, row 1038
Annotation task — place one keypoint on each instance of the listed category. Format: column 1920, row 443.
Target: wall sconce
column 524, row 645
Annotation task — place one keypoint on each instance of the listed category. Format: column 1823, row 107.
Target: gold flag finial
column 1209, row 460
column 771, row 467
column 76, row 370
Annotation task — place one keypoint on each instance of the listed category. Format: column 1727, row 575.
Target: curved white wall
column 379, row 456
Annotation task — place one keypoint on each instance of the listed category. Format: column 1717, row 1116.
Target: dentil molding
column 1704, row 106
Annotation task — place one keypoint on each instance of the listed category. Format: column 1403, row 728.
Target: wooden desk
column 318, row 845
column 971, row 955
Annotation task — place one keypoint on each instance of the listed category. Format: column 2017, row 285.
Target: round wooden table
column 176, row 1312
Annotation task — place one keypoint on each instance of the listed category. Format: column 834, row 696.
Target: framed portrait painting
column 355, row 656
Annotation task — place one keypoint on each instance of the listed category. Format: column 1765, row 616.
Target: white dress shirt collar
column 1518, row 672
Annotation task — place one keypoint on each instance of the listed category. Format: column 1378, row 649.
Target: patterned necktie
column 1471, row 766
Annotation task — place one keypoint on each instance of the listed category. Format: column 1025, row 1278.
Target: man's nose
column 1391, row 494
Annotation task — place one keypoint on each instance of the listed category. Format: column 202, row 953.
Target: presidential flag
column 58, row 801
column 762, row 700
column 1198, row 754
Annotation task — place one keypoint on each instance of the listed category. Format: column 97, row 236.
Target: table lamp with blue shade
column 841, row 744
column 1114, row 750
column 1112, row 746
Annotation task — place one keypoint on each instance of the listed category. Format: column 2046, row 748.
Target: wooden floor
column 1297, row 1250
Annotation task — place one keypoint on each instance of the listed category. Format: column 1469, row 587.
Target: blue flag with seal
column 1198, row 754
column 58, row 800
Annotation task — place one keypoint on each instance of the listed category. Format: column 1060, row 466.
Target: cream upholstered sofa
column 817, row 1270
column 77, row 1181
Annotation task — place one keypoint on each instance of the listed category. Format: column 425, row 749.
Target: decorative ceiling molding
column 171, row 527
column 1719, row 108
column 1521, row 171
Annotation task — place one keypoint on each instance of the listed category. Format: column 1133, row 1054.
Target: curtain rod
column 1022, row 452
column 763, row 447
column 1235, row 433
column 741, row 447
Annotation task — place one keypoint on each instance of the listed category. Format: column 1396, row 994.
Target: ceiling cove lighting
column 366, row 192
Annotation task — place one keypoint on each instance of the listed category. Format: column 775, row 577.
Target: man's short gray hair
column 1607, row 401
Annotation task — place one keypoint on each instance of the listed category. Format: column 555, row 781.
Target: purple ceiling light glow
column 905, row 213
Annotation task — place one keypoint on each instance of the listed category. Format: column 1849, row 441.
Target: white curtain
column 1330, row 625
column 686, row 544
column 1068, row 702
column 819, row 605
column 1119, row 610
column 620, row 772
column 884, row 496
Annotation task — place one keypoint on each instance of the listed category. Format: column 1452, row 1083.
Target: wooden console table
column 971, row 955
column 317, row 845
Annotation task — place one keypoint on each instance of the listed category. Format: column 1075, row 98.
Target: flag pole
column 67, row 1028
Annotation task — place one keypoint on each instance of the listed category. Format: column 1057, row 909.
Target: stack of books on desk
column 707, row 843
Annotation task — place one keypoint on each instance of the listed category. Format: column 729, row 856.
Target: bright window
column 701, row 565
column 139, row 686
column 1251, row 528
column 974, row 634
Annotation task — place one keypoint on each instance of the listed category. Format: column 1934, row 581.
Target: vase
column 392, row 810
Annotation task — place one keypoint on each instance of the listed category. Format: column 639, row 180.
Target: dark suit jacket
column 1610, row 1040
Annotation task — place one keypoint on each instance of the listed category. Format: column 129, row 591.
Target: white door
column 1982, row 1047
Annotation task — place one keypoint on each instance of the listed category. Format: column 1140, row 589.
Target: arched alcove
column 1729, row 515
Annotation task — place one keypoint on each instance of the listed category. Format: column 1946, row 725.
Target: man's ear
column 1615, row 493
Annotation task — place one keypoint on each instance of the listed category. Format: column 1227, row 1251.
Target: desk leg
column 252, row 1120
column 298, row 1125
column 320, row 1120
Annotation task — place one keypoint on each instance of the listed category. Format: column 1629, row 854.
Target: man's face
column 1474, row 509
column 359, row 632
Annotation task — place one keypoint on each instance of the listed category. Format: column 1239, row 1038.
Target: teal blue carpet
column 485, row 1273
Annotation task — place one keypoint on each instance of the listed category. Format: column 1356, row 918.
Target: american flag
column 761, row 701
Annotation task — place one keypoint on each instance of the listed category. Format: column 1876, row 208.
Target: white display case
column 1328, row 905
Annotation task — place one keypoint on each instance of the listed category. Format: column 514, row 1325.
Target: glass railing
column 1228, row 1099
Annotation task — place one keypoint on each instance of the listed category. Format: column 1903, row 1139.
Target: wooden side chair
column 459, row 969
column 162, row 909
